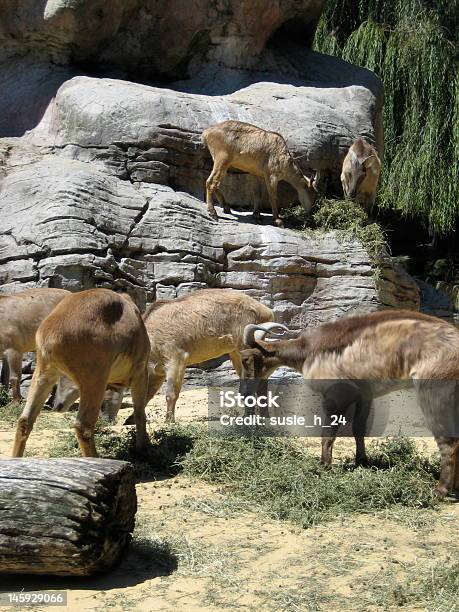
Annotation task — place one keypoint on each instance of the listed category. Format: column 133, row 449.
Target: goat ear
column 368, row 161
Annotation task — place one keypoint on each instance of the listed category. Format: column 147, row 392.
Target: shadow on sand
column 142, row 561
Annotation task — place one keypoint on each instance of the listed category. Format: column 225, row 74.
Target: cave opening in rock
column 295, row 31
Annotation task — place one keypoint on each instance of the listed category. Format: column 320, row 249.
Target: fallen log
column 64, row 516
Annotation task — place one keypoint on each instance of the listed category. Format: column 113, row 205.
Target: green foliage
column 340, row 215
column 412, row 46
column 295, row 217
column 346, row 216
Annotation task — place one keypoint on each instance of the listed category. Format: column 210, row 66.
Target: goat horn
column 250, row 339
column 315, row 181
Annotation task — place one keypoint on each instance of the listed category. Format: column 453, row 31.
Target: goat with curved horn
column 254, row 333
column 419, row 350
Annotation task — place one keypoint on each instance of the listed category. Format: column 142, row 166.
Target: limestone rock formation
column 69, row 223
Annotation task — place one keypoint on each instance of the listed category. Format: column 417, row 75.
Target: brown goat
column 375, row 354
column 95, row 337
column 67, row 393
column 234, row 144
column 202, row 325
column 20, row 315
column 360, row 173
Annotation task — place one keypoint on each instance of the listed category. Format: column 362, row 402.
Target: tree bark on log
column 64, row 516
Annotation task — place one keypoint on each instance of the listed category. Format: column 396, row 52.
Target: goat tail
column 5, row 375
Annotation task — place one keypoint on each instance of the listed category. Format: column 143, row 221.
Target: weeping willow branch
column 412, row 46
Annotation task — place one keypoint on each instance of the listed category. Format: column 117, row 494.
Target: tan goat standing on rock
column 355, row 359
column 95, row 337
column 20, row 316
column 360, row 173
column 234, row 144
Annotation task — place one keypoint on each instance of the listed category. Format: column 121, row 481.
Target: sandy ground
column 245, row 561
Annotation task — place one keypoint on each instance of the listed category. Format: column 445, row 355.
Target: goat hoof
column 279, row 222
column 213, row 215
column 130, row 420
column 441, row 492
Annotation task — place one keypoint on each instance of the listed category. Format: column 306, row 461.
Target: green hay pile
column 412, row 46
column 284, row 481
column 168, row 444
column 348, row 218
column 276, row 476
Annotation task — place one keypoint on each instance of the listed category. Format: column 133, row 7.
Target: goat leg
column 14, row 359
column 223, row 203
column 139, row 389
column 175, row 373
column 449, row 465
column 5, row 375
column 213, row 183
column 271, row 186
column 42, row 384
column 337, row 399
column 91, row 397
column 359, row 424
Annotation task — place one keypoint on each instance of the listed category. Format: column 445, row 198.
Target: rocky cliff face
column 152, row 38
column 69, row 223
column 101, row 179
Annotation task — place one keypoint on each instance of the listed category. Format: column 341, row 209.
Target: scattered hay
column 168, row 445
column 435, row 587
column 11, row 411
